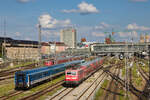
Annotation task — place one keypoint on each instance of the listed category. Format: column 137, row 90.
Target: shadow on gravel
column 112, row 92
column 69, row 85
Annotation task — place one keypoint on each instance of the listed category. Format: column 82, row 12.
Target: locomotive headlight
column 67, row 78
column 74, row 78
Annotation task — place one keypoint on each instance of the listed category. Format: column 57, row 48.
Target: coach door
column 21, row 79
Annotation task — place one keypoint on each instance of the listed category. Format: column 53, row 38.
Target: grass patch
column 5, row 88
column 100, row 91
column 50, row 93
column 38, row 88
column 123, row 71
column 121, row 97
column 19, row 65
column 138, row 81
column 145, row 68
column 134, row 70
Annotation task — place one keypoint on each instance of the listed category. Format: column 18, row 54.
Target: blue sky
column 91, row 18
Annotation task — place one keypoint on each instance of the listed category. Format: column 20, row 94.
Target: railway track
column 6, row 82
column 33, row 96
column 109, row 88
column 86, row 94
column 5, row 73
column 130, row 75
column 116, row 89
column 132, row 89
column 6, row 77
column 82, row 94
column 66, row 92
column 62, row 94
column 49, row 89
column 143, row 74
column 108, row 91
column 9, row 74
column 13, row 70
column 11, row 94
column 43, row 91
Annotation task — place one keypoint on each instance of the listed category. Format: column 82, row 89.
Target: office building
column 68, row 36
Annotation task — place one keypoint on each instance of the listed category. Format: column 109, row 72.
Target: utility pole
column 4, row 47
column 149, row 61
column 148, row 47
column 126, row 71
column 39, row 44
column 55, row 52
column 3, row 36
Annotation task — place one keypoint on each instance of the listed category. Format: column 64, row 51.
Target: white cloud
column 102, row 26
column 47, row 21
column 87, row 8
column 134, row 26
column 83, row 8
column 128, row 34
column 124, row 34
column 139, row 0
column 98, row 34
column 23, row 1
column 69, row 11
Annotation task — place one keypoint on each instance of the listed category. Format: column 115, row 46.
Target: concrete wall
column 45, row 50
column 21, row 53
column 60, row 48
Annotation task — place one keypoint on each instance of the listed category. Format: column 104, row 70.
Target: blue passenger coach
column 27, row 78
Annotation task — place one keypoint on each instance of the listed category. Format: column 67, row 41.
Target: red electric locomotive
column 77, row 74
column 49, row 63
column 63, row 60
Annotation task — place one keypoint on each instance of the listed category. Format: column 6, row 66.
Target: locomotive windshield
column 20, row 76
column 68, row 73
column 71, row 73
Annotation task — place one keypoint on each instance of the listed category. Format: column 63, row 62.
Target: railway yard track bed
column 109, row 84
column 84, row 90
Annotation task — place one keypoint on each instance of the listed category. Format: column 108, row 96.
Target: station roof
column 13, row 41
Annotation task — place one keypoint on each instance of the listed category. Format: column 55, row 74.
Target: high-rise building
column 142, row 38
column 146, row 38
column 68, row 36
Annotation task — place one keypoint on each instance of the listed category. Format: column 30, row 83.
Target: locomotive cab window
column 21, row 76
column 71, row 73
column 68, row 73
